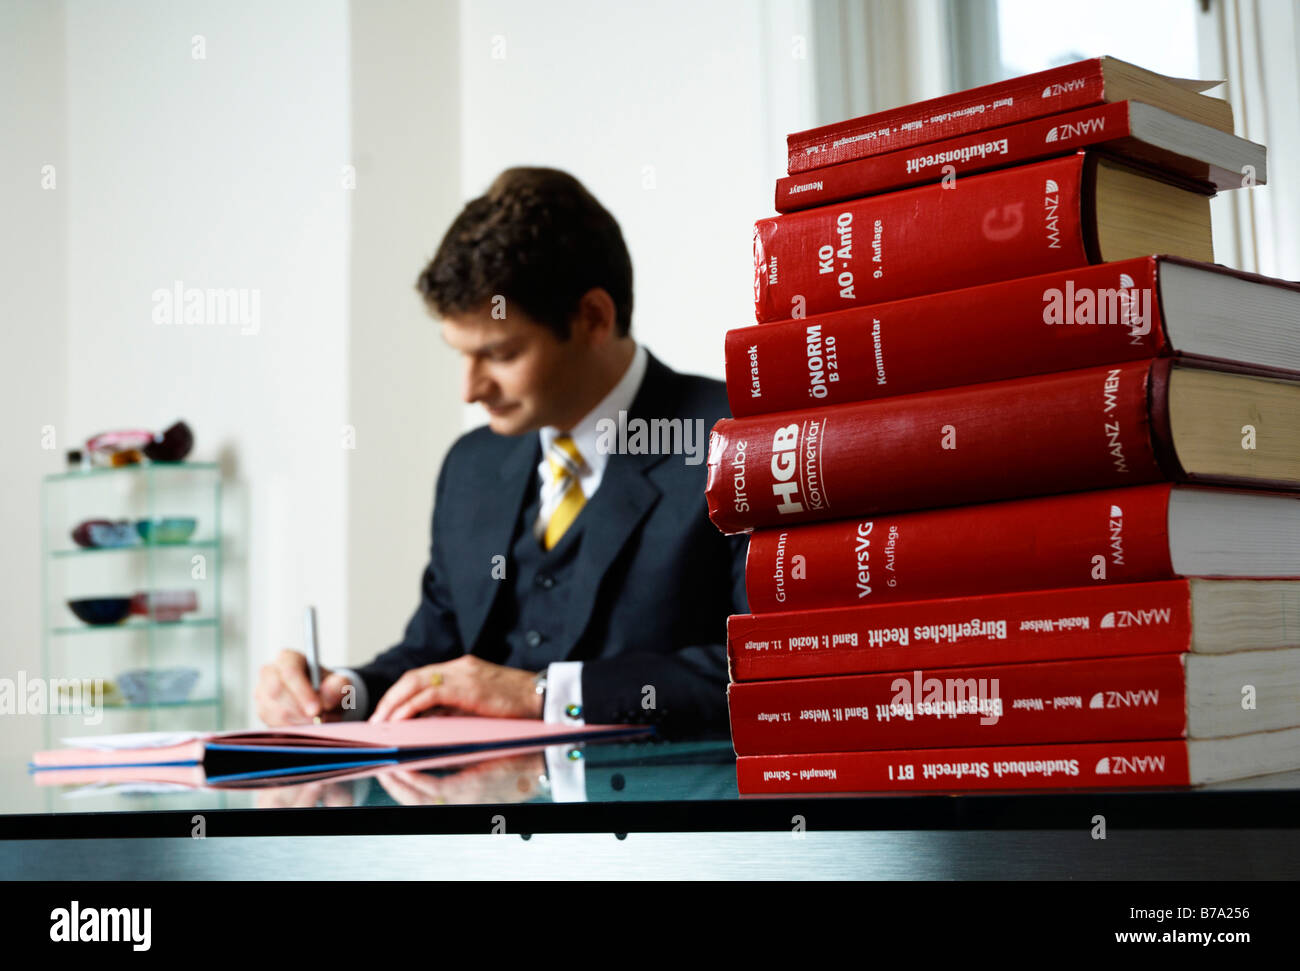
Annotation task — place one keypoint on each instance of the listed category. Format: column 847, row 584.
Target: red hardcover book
column 1095, row 428
column 1059, row 89
column 1128, row 129
column 1110, row 536
column 996, row 226
column 1133, row 309
column 1068, row 765
column 1147, row 696
column 1009, row 628
column 1170, row 616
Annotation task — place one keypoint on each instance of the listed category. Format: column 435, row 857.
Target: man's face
column 518, row 370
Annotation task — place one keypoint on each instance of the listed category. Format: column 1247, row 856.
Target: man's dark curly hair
column 538, row 238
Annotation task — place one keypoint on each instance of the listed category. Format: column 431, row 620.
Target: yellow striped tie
column 564, row 495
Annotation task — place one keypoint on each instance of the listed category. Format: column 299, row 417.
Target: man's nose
column 475, row 385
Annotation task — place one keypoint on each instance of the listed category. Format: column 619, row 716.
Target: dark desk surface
column 652, row 786
column 651, row 810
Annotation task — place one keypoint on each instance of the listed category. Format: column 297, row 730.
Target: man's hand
column 466, row 686
column 284, row 695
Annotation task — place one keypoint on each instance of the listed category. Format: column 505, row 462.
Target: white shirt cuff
column 360, row 696
column 568, row 777
column 563, row 689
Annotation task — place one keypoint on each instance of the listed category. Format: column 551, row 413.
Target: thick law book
column 1217, row 160
column 337, row 742
column 1095, row 428
column 1108, row 536
column 1154, row 306
column 1095, row 81
column 1199, row 616
column 1068, row 765
column 1030, row 219
column 1145, row 696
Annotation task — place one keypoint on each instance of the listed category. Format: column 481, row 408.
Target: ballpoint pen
column 312, row 650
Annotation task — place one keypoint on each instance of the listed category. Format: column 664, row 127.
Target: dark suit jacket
column 654, row 581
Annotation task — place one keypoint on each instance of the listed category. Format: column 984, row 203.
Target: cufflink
column 573, row 711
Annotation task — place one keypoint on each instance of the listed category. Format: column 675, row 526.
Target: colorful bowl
column 98, row 534
column 101, row 611
column 163, row 686
column 173, row 529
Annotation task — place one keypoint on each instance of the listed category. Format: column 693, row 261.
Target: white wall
column 673, row 116
column 403, row 383
column 222, row 172
column 33, row 359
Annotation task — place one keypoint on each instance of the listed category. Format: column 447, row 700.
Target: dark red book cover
column 1069, row 765
column 961, row 551
column 1104, row 127
column 996, row 226
column 1049, row 92
column 1088, row 429
column 1094, row 700
column 1009, row 628
column 1058, row 321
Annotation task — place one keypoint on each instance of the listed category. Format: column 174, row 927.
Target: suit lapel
column 491, row 528
column 625, row 497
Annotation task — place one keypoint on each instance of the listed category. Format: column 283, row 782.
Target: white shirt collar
column 585, row 432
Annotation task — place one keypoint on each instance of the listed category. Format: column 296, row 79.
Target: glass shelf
column 137, row 469
column 203, row 544
column 147, row 491
column 141, row 625
column 190, row 703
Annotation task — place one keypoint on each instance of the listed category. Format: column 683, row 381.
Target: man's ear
column 595, row 322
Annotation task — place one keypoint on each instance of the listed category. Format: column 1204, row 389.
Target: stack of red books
column 1022, row 494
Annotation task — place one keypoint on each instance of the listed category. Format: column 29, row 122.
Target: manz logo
column 1076, row 130
column 1052, row 202
column 1137, row 618
column 1125, row 699
column 1064, row 87
column 1126, row 765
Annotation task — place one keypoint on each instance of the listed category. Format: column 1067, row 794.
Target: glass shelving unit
column 75, row 653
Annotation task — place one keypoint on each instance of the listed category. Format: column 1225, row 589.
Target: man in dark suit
column 574, row 574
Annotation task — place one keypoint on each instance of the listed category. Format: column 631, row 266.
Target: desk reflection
column 514, row 778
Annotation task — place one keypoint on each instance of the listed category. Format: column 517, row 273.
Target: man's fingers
column 424, row 698
column 275, row 704
column 403, row 689
column 331, row 691
column 293, row 672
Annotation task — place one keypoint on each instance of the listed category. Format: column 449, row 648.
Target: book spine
column 1084, row 765
column 997, row 226
column 1087, row 429
column 1049, row 92
column 970, row 154
column 1110, row 536
column 1037, row 325
column 1038, row 625
column 1097, row 700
